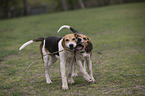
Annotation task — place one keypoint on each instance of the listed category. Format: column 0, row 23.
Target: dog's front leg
column 70, row 64
column 89, row 65
column 63, row 72
column 74, row 73
column 84, row 64
column 82, row 70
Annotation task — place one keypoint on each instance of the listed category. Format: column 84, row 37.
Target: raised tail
column 30, row 42
column 66, row 26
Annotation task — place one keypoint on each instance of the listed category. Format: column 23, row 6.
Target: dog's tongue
column 79, row 47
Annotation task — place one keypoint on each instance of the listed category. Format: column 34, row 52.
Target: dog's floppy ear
column 63, row 42
column 89, row 47
column 76, row 35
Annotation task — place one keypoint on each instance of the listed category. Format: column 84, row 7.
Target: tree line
column 15, row 8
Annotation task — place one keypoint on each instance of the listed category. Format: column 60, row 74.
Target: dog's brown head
column 84, row 43
column 69, row 42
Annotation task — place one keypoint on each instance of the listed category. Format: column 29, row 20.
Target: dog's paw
column 64, row 87
column 88, row 78
column 93, row 80
column 71, row 81
column 49, row 82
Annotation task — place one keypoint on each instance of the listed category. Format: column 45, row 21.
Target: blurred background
column 19, row 8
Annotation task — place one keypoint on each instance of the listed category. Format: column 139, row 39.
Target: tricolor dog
column 64, row 47
column 83, row 51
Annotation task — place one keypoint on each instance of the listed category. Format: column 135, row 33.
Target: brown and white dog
column 64, row 48
column 83, row 51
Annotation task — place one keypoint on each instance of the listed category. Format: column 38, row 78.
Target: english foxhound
column 83, row 50
column 64, row 48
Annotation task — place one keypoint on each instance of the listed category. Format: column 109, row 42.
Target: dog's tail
column 30, row 42
column 66, row 26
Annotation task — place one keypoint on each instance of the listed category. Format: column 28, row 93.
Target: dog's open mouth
column 79, row 47
column 70, row 48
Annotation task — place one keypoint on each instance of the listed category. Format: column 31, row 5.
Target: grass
column 118, row 32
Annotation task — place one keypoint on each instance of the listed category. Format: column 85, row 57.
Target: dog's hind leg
column 47, row 64
column 45, row 60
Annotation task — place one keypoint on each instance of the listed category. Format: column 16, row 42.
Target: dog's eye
column 73, row 39
column 67, row 40
column 87, row 38
column 84, row 38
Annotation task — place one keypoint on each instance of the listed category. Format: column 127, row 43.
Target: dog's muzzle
column 71, row 47
column 79, row 40
column 79, row 47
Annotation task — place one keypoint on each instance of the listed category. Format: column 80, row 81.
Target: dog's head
column 83, row 43
column 69, row 42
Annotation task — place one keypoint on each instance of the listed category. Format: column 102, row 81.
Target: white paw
column 49, row 82
column 88, row 78
column 93, row 79
column 64, row 87
column 71, row 81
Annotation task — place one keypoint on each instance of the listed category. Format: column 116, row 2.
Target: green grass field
column 118, row 32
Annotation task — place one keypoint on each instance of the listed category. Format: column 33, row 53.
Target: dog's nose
column 79, row 40
column 71, row 46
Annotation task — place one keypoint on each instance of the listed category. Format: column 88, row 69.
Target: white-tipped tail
column 25, row 44
column 64, row 26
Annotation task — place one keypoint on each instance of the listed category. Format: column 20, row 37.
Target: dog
column 62, row 47
column 83, row 51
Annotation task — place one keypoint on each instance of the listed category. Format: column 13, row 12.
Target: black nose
column 71, row 46
column 79, row 40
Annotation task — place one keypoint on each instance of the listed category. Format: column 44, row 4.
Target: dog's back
column 52, row 44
